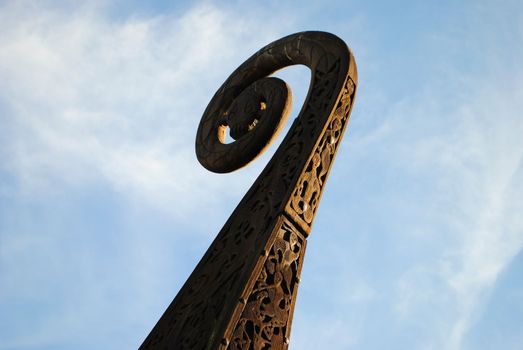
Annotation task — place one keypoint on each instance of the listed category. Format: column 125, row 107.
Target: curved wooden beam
column 241, row 295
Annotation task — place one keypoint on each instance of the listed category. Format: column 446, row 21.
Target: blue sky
column 105, row 211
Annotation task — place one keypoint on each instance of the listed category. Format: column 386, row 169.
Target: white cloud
column 92, row 99
column 89, row 100
column 478, row 164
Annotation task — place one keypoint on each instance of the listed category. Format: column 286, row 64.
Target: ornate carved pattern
column 207, row 309
column 306, row 196
column 266, row 318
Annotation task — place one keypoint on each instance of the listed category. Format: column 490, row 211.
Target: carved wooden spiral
column 241, row 294
column 254, row 117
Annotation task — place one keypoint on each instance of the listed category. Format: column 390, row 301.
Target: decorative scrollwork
column 254, row 117
column 264, row 322
column 305, row 199
column 242, row 292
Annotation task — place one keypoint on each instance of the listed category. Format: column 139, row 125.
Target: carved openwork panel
column 267, row 315
column 211, row 307
column 306, row 196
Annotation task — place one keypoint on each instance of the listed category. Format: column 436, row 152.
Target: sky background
column 105, row 211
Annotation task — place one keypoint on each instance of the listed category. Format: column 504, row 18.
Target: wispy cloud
column 88, row 98
column 475, row 164
column 87, row 101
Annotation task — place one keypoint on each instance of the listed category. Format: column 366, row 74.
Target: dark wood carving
column 241, row 295
column 265, row 319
